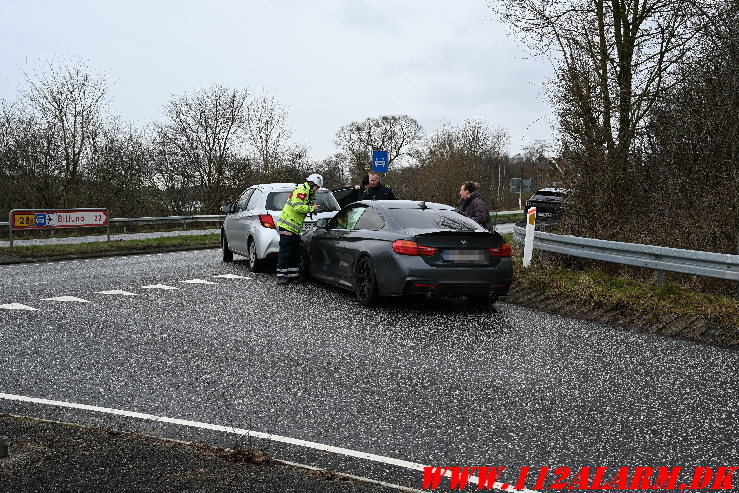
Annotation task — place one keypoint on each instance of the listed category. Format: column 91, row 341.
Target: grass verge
column 111, row 247
column 672, row 309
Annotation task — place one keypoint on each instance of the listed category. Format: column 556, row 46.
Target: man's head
column 374, row 180
column 315, row 181
column 365, row 181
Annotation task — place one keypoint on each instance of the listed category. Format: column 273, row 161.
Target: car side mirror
column 323, row 223
column 227, row 208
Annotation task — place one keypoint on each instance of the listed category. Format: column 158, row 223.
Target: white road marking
column 66, row 298
column 158, row 286
column 231, row 276
column 17, row 306
column 117, row 291
column 198, row 281
column 248, row 433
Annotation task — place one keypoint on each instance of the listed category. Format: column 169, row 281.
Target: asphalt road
column 422, row 382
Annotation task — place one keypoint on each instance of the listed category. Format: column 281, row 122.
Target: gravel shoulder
column 56, row 457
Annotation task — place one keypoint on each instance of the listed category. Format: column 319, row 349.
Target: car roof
column 407, row 204
column 562, row 190
column 281, row 187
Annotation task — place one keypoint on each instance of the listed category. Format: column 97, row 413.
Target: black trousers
column 288, row 260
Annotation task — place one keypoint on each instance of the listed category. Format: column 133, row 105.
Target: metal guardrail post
column 659, row 277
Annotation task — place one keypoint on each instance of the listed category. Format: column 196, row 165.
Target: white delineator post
column 528, row 242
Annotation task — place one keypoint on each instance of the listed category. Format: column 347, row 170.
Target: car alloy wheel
column 365, row 282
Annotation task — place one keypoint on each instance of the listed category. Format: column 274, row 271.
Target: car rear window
column 548, row 193
column 276, row 200
column 433, row 219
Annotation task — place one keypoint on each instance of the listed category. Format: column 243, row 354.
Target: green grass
column 115, row 246
column 593, row 289
column 506, row 218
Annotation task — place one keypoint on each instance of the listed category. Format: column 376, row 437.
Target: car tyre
column 304, row 272
column 365, row 282
column 228, row 255
column 255, row 265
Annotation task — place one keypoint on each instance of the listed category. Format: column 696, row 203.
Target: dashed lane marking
column 231, row 276
column 66, row 298
column 117, row 291
column 198, row 281
column 158, row 286
column 17, row 306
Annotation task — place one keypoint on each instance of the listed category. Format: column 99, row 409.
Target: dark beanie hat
column 365, row 180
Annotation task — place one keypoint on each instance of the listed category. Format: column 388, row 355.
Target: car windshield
column 276, row 201
column 433, row 219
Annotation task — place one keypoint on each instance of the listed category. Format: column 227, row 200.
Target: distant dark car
column 402, row 247
column 548, row 201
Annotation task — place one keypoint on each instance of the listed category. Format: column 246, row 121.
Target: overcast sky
column 330, row 61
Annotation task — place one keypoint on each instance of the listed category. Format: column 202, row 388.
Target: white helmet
column 316, row 178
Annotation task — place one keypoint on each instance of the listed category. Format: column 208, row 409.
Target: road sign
column 520, row 185
column 68, row 218
column 379, row 161
column 520, row 190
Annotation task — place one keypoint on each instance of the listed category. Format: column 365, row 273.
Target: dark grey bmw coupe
column 403, row 247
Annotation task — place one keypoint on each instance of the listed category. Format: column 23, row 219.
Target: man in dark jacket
column 472, row 204
column 377, row 191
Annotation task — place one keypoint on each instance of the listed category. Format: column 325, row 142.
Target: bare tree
column 614, row 60
column 200, row 138
column 67, row 100
column 268, row 135
column 396, row 134
column 454, row 154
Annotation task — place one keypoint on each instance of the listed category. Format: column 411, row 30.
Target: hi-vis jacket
column 299, row 203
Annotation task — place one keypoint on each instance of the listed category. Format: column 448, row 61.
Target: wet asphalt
column 429, row 382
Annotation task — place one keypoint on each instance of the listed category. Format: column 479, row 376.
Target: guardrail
column 166, row 219
column 661, row 259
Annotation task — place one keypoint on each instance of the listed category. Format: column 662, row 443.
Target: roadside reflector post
column 528, row 242
column 4, row 444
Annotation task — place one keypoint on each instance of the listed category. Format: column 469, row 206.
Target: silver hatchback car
column 249, row 228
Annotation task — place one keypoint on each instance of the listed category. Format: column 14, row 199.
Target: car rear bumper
column 414, row 276
column 267, row 243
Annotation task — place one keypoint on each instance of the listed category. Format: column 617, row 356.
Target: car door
column 346, row 244
column 345, row 196
column 235, row 225
column 325, row 247
column 250, row 216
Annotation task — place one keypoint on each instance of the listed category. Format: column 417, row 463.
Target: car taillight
column 267, row 221
column 502, row 251
column 405, row 247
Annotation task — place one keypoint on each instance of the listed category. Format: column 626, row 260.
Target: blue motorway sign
column 379, row 161
column 40, row 219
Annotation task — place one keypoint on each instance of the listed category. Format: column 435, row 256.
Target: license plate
column 463, row 256
column 307, row 226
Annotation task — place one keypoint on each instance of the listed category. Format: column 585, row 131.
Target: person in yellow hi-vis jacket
column 298, row 205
